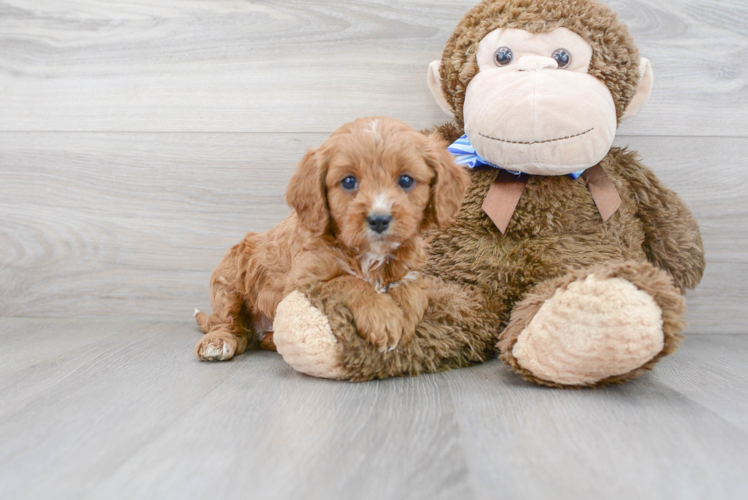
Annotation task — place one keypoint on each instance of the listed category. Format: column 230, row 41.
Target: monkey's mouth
column 530, row 143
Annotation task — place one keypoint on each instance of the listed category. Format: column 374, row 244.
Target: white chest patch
column 371, row 262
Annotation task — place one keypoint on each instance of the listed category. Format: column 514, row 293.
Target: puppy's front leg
column 377, row 316
column 413, row 299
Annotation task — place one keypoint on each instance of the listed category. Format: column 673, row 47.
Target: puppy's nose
column 379, row 223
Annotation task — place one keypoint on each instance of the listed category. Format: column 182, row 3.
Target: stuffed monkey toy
column 569, row 258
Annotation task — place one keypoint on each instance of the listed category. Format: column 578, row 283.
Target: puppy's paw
column 411, row 318
column 407, row 333
column 380, row 325
column 412, row 299
column 215, row 349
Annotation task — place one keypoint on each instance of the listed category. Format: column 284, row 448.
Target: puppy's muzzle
column 379, row 223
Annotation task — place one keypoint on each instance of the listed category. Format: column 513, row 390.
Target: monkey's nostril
column 379, row 223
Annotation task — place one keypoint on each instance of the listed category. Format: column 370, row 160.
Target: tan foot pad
column 305, row 340
column 592, row 330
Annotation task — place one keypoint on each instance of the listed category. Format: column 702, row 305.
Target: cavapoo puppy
column 360, row 204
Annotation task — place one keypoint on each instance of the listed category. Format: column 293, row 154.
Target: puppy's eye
column 349, row 183
column 406, row 182
column 562, row 57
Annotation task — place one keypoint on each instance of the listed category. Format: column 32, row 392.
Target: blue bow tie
column 465, row 154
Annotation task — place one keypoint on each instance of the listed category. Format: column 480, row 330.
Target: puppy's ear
column 448, row 186
column 307, row 194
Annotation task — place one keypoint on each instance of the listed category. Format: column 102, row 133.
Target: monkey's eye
column 406, row 182
column 504, row 56
column 349, row 183
column 562, row 57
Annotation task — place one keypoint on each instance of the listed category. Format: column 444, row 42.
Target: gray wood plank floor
column 120, row 409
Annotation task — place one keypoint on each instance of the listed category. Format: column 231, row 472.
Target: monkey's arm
column 672, row 238
column 317, row 336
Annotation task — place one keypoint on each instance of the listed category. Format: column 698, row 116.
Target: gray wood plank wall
column 139, row 139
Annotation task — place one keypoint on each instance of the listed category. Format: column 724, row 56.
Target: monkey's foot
column 304, row 338
column 594, row 327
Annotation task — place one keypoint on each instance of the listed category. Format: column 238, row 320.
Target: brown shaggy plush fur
column 482, row 280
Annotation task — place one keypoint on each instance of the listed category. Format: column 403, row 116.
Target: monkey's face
column 533, row 108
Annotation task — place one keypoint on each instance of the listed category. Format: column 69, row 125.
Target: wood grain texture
column 301, row 66
column 132, row 225
column 123, row 410
column 716, row 378
column 645, row 440
column 113, row 224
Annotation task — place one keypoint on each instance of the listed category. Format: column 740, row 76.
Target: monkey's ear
column 307, row 194
column 646, row 82
column 435, row 85
column 448, row 185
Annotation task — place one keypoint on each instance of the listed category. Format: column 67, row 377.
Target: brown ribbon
column 603, row 191
column 506, row 190
column 503, row 197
